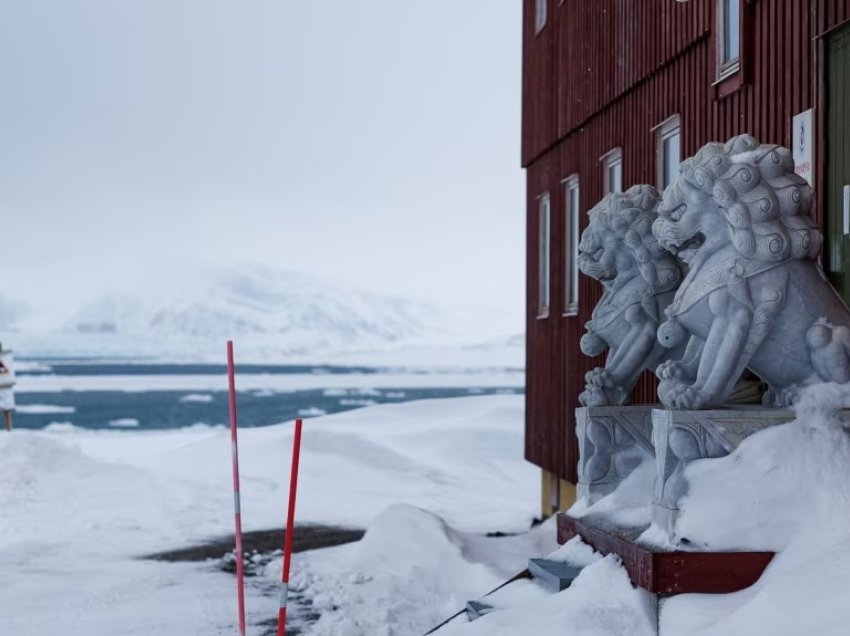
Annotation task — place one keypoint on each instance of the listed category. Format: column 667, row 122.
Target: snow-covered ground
column 600, row 602
column 786, row 489
column 78, row 508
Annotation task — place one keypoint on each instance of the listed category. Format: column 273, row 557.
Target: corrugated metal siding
column 602, row 74
column 591, row 53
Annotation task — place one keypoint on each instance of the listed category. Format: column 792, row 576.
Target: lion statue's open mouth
column 687, row 249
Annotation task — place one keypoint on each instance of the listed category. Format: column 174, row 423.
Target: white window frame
column 730, row 65
column 544, row 255
column 540, row 15
column 669, row 128
column 572, row 236
column 613, row 159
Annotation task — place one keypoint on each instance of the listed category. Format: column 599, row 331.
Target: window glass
column 543, row 250
column 731, row 30
column 539, row 14
column 614, row 181
column 572, row 241
column 671, row 156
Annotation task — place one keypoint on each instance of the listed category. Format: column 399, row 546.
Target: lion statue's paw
column 599, row 377
column 672, row 370
column 691, row 398
column 678, row 394
column 593, row 396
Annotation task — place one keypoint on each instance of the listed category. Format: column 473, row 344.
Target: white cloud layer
column 376, row 142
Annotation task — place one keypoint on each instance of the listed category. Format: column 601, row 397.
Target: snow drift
column 79, row 507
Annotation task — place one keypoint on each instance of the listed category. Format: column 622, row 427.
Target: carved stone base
column 613, row 440
column 681, row 437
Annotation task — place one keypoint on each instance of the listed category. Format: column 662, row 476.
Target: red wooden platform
column 665, row 572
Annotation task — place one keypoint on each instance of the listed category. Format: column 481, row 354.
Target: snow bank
column 785, row 489
column 78, row 507
column 601, row 601
column 780, row 483
column 409, row 573
column 460, row 458
column 630, row 504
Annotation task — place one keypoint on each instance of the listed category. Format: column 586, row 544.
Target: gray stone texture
column 639, row 279
column 755, row 295
column 681, row 437
column 613, row 440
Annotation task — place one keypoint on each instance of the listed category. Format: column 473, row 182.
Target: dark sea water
column 139, row 410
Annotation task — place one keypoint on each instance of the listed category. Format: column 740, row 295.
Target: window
column 669, row 151
column 543, row 249
column 613, row 161
column 728, row 37
column 571, row 240
column 539, row 15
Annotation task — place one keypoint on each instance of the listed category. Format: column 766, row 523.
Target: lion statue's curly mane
column 766, row 204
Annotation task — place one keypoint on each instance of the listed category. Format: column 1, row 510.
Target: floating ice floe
column 202, row 398
column 124, row 422
column 43, row 409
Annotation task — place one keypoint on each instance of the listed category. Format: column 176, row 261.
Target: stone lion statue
column 754, row 296
column 639, row 279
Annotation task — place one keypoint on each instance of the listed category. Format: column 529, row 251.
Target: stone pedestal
column 613, row 440
column 681, row 437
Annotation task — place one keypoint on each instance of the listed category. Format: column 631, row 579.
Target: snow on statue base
column 681, row 437
column 665, row 572
column 613, row 441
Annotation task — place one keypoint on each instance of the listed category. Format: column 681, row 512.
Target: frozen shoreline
column 271, row 382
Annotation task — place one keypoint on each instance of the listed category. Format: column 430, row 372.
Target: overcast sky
column 374, row 142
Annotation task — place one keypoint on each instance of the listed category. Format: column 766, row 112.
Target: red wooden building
column 615, row 93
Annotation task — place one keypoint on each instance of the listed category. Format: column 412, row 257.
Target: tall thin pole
column 290, row 530
column 240, row 565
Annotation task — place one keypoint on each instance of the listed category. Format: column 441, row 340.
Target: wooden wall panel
column 602, row 74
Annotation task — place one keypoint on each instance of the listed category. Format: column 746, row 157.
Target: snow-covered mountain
column 271, row 313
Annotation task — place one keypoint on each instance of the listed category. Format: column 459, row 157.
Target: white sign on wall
column 802, row 146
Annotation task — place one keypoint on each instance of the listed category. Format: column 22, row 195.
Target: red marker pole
column 290, row 529
column 240, row 565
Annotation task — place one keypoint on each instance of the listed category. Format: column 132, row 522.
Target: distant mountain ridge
column 258, row 302
column 272, row 314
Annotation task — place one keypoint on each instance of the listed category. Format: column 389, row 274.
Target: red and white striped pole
column 240, row 565
column 290, row 530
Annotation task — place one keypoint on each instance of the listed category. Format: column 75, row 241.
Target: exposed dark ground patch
column 259, row 549
column 306, row 537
